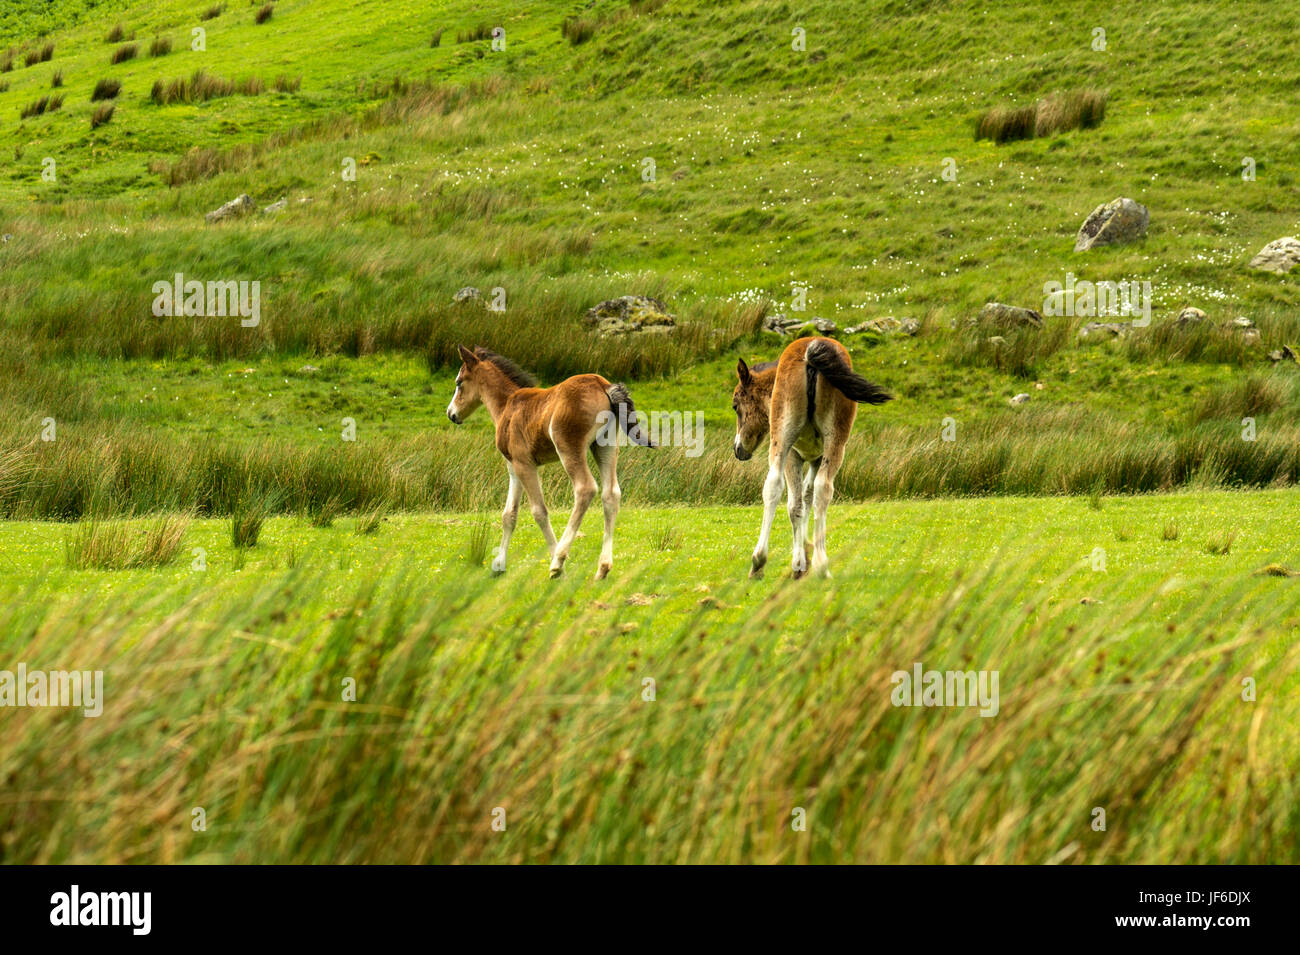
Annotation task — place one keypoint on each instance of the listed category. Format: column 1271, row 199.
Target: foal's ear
column 467, row 356
column 743, row 371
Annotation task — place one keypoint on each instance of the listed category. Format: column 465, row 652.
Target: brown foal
column 807, row 400
column 535, row 426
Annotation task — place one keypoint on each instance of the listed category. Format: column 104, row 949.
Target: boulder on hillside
column 885, row 325
column 231, row 210
column 1189, row 316
column 1280, row 255
column 1118, row 221
column 468, row 294
column 630, row 314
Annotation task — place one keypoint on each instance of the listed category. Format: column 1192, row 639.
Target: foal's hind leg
column 508, row 519
column 823, row 490
column 610, row 495
column 584, row 490
column 796, row 508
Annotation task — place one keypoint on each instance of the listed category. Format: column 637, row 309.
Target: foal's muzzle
column 455, row 418
column 741, row 453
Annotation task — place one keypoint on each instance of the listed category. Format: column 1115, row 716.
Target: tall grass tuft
column 127, row 51
column 1058, row 113
column 264, row 13
column 119, row 545
column 42, row 55
column 160, row 46
column 247, row 520
column 103, row 114
column 481, row 32
column 115, row 34
column 106, row 89
column 34, row 108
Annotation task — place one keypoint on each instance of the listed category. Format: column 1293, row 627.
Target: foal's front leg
column 527, row 475
column 509, row 517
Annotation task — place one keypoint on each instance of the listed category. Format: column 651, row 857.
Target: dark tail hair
column 829, row 362
column 620, row 402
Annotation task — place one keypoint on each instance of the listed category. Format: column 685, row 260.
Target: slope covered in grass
column 524, row 168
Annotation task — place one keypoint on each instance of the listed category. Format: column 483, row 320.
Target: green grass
column 486, row 167
column 224, row 690
column 848, row 167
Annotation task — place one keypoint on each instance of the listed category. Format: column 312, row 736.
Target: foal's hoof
column 557, row 572
column 797, row 572
column 756, row 565
column 602, row 571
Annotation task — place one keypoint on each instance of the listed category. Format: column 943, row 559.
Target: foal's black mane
column 512, row 371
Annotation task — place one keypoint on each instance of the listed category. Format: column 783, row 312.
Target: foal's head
column 751, row 399
column 484, row 375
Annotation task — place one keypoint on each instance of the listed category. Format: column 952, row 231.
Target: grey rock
column 468, row 294
column 231, row 210
column 1189, row 316
column 1280, row 255
column 1020, row 399
column 1120, row 220
column 275, row 207
column 629, row 313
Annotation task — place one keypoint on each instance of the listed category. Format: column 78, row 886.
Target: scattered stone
column 628, row 314
column 1189, row 316
column 8, row 236
column 233, row 209
column 1020, row 399
column 1097, row 331
column 779, row 324
column 275, row 207
column 308, row 369
column 885, row 325
column 1242, row 322
column 1280, row 255
column 1120, row 220
column 1285, row 353
column 1008, row 316
column 1086, row 601
column 468, row 294
column 996, row 340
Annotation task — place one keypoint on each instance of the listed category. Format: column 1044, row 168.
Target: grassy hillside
column 522, row 168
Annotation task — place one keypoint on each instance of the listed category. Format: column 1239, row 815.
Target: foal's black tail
column 829, row 362
column 620, row 402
